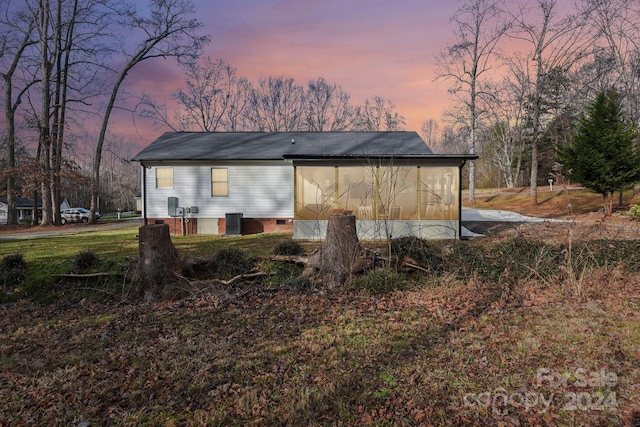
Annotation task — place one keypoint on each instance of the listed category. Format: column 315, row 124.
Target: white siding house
column 254, row 190
column 290, row 182
column 24, row 209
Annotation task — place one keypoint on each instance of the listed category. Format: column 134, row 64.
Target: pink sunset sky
column 369, row 47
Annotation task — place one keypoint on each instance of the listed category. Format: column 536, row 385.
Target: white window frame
column 215, row 183
column 160, row 179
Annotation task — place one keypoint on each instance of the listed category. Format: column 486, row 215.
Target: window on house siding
column 219, row 182
column 164, row 177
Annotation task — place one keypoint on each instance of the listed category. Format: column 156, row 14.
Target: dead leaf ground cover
column 532, row 331
column 456, row 354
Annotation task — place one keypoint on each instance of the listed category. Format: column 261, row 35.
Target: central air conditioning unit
column 233, row 224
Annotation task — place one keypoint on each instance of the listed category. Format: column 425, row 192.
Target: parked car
column 76, row 215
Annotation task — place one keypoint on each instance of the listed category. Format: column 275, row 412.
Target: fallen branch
column 416, row 267
column 83, row 276
column 234, row 280
column 293, row 259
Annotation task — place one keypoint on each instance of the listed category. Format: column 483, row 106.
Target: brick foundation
column 176, row 226
column 260, row 225
column 249, row 225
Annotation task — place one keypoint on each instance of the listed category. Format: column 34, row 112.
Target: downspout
column 295, row 192
column 464, row 161
column 144, row 194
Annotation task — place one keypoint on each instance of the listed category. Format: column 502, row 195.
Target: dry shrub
column 288, row 247
column 514, row 260
column 421, row 251
column 13, row 270
column 229, row 262
column 380, row 281
column 84, row 261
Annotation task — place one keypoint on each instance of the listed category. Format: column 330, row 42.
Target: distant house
column 24, row 209
column 249, row 182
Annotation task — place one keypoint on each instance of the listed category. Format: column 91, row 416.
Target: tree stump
column 158, row 264
column 333, row 264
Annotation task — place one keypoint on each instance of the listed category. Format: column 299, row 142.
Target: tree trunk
column 333, row 264
column 12, row 217
column 607, row 203
column 533, row 185
column 158, row 265
column 472, row 165
column 44, row 13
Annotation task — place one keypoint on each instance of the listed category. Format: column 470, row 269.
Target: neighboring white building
column 250, row 182
column 24, row 209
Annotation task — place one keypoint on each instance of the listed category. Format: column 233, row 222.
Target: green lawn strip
column 49, row 257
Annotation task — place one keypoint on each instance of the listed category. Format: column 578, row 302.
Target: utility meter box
column 194, row 209
column 179, row 211
column 173, row 206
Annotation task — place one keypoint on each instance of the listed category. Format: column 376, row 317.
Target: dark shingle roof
column 22, row 202
column 278, row 145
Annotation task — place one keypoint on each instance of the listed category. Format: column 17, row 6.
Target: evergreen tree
column 604, row 154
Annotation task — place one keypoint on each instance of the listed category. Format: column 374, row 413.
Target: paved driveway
column 35, row 232
column 471, row 216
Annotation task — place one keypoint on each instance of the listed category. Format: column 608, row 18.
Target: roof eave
column 381, row 156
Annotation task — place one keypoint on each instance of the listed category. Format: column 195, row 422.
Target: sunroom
column 390, row 197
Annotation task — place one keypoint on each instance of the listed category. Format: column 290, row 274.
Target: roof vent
column 293, row 141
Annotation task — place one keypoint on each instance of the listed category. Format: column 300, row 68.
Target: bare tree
column 43, row 15
column 507, row 112
column 62, row 67
column 378, row 115
column 166, row 30
column 617, row 24
column 15, row 38
column 120, row 178
column 213, row 99
column 238, row 92
column 430, row 133
column 68, row 34
column 276, row 104
column 204, row 100
column 454, row 139
column 479, row 27
column 216, row 98
column 327, row 107
column 557, row 43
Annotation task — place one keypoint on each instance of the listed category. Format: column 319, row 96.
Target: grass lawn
column 504, row 331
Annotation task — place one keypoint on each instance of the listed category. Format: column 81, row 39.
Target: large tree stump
column 158, row 265
column 333, row 264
